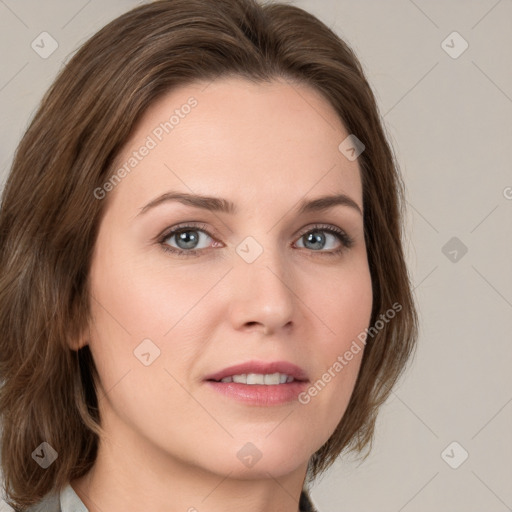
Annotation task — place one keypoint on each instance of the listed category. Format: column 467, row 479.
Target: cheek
column 142, row 298
column 345, row 310
column 135, row 313
column 136, row 300
column 344, row 304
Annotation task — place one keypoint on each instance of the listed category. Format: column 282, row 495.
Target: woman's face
column 263, row 282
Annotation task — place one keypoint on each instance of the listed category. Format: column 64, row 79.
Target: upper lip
column 262, row 367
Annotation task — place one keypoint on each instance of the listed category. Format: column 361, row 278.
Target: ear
column 77, row 342
column 76, row 346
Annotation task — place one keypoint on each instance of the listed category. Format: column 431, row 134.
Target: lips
column 261, row 367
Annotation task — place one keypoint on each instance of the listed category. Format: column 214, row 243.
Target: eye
column 316, row 239
column 187, row 237
column 185, row 240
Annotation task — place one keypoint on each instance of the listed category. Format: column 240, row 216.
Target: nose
column 262, row 295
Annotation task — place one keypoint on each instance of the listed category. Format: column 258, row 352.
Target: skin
column 172, row 442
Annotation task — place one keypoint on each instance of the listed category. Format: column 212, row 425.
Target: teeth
column 270, row 379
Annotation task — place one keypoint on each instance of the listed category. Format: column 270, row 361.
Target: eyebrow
column 218, row 204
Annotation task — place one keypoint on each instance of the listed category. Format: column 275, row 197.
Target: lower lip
column 260, row 394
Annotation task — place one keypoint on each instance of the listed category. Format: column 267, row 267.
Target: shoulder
column 65, row 501
column 50, row 503
column 305, row 503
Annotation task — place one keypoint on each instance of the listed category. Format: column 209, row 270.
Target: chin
column 259, row 456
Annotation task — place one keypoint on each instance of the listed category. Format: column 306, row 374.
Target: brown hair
column 49, row 215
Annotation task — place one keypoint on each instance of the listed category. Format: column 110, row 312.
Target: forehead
column 232, row 137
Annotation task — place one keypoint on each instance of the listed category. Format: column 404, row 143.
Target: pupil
column 317, row 238
column 189, row 241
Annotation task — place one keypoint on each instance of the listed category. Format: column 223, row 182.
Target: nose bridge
column 263, row 283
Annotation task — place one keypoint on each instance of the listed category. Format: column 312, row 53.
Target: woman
column 204, row 298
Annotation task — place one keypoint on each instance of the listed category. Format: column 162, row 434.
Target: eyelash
column 346, row 241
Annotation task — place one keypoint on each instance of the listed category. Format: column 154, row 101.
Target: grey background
column 449, row 120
